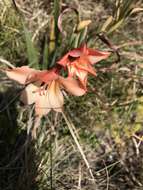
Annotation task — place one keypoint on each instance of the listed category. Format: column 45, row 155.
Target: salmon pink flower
column 44, row 88
column 80, row 62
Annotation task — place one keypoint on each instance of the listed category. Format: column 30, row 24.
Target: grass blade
column 31, row 50
column 56, row 16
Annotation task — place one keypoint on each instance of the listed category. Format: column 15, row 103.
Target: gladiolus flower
column 44, row 88
column 79, row 62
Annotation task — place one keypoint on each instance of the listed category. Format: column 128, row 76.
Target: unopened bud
column 83, row 24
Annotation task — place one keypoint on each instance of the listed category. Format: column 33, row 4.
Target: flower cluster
column 45, row 88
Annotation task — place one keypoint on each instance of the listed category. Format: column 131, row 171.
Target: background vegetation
column 108, row 120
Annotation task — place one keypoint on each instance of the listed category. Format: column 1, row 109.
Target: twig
column 80, row 177
column 107, row 41
column 107, row 174
column 51, row 162
column 136, row 145
column 78, row 145
column 137, row 137
column 109, row 166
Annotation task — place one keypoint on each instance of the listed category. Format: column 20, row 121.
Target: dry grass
column 108, row 121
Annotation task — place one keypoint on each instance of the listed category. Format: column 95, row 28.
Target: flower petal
column 75, row 53
column 71, row 70
column 52, row 98
column 82, row 76
column 42, row 106
column 20, row 74
column 80, row 73
column 95, row 56
column 83, row 64
column 55, row 96
column 29, row 94
column 47, row 76
column 72, row 86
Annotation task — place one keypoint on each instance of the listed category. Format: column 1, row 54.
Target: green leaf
column 31, row 50
column 115, row 26
column 106, row 23
column 53, row 60
column 45, row 56
column 72, row 39
column 56, row 16
column 126, row 8
column 82, row 36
